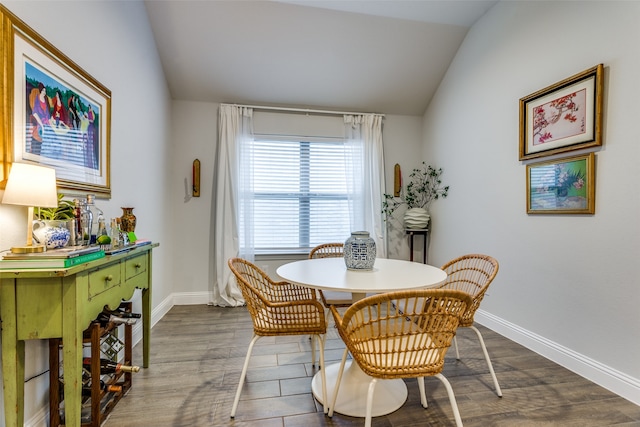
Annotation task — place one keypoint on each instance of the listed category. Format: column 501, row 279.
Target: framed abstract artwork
column 60, row 116
column 563, row 117
column 562, row 186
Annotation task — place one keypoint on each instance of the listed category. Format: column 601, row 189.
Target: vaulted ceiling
column 385, row 56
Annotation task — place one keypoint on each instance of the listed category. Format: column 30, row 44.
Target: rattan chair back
column 331, row 250
column 277, row 308
column 327, row 250
column 472, row 273
column 387, row 343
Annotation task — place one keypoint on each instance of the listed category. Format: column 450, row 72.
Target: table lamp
column 30, row 185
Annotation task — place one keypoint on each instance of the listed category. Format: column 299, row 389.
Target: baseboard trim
column 613, row 380
column 40, row 419
column 191, row 298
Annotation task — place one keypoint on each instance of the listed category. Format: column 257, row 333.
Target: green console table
column 60, row 303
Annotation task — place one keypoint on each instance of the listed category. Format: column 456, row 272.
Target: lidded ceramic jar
column 359, row 251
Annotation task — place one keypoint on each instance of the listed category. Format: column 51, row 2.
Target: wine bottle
column 110, row 367
column 86, row 385
column 119, row 312
column 108, row 388
column 105, row 319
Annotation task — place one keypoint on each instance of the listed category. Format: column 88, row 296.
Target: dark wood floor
column 198, row 351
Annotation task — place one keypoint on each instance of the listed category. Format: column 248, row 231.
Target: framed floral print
column 563, row 117
column 562, row 186
column 59, row 116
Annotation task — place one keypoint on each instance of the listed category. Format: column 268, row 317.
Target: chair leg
column 313, row 351
column 327, row 315
column 243, row 375
column 455, row 342
column 452, row 399
column 423, row 395
column 486, row 356
column 372, row 387
column 321, row 342
column 338, row 379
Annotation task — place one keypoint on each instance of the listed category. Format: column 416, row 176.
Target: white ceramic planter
column 416, row 219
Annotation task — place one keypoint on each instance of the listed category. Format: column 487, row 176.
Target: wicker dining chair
column 387, row 343
column 472, row 273
column 279, row 308
column 329, row 298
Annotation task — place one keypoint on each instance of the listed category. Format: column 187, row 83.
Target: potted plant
column 424, row 187
column 64, row 211
column 50, row 226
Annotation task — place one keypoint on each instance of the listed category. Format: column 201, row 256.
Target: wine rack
column 103, row 341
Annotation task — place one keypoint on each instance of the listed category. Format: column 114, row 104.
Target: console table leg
column 72, row 355
column 146, row 325
column 12, row 358
column 13, row 374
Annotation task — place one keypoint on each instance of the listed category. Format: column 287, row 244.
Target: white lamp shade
column 31, row 185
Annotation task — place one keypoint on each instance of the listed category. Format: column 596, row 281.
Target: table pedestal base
column 389, row 395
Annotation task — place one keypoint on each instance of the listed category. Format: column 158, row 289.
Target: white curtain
column 235, row 132
column 364, row 134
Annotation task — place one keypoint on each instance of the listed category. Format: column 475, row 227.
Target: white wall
column 195, row 133
column 568, row 284
column 400, row 136
column 113, row 42
column 194, row 130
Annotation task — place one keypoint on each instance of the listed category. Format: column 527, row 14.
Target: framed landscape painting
column 60, row 115
column 562, row 186
column 563, row 117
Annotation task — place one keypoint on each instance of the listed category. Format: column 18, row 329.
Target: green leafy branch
column 424, row 187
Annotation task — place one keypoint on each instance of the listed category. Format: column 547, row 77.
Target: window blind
column 300, row 196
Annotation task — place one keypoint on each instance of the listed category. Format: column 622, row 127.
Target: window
column 300, row 195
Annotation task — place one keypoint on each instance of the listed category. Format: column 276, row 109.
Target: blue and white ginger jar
column 359, row 251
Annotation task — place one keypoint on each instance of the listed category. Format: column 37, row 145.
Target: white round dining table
column 387, row 275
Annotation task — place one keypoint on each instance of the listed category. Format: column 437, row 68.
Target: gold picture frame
column 562, row 186
column 563, row 117
column 53, row 112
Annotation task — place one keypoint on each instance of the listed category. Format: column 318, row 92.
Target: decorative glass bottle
column 359, row 251
column 114, row 233
column 82, row 236
column 91, row 218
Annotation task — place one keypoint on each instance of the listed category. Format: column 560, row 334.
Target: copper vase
column 127, row 220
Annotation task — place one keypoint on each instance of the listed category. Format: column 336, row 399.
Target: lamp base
column 27, row 249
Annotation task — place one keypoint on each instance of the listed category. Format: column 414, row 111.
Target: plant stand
column 425, row 237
